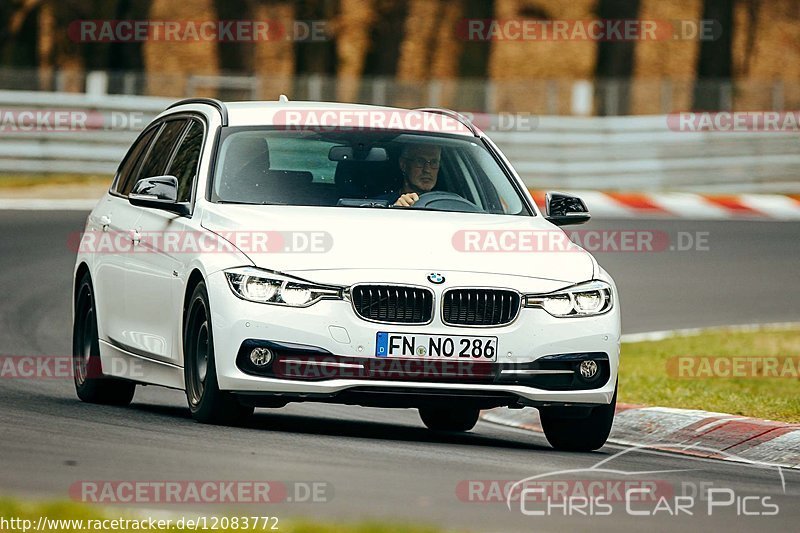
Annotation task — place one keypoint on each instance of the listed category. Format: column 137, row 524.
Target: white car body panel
column 376, row 238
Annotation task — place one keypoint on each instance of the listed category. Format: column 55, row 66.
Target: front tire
column 87, row 371
column 207, row 402
column 584, row 434
column 438, row 419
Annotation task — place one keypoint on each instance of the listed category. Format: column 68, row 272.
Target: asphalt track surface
column 383, row 464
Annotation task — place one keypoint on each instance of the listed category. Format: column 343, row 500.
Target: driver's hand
column 407, row 200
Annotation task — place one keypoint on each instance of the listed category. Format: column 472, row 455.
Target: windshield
column 367, row 168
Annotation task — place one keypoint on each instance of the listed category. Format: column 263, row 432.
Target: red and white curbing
column 601, row 205
column 686, row 205
column 690, row 432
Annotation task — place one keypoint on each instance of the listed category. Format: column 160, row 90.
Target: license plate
column 409, row 345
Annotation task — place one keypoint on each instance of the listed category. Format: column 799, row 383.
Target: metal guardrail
column 111, row 124
column 604, row 153
column 643, row 153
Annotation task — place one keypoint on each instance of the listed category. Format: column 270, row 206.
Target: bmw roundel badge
column 436, row 278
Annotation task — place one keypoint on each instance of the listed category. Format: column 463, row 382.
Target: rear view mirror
column 340, row 153
column 346, row 153
column 565, row 209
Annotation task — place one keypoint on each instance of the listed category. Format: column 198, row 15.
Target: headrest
column 245, row 150
column 244, row 169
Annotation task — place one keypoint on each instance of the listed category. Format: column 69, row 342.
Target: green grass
column 10, row 508
column 30, row 180
column 644, row 376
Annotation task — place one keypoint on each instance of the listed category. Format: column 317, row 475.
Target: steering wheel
column 445, row 201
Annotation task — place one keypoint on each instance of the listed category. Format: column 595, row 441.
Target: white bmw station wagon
column 259, row 253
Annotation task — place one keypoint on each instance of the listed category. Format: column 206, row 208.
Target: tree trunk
column 234, row 56
column 615, row 61
column 352, row 44
column 316, row 57
column 474, row 61
column 18, row 32
column 714, row 63
column 386, row 37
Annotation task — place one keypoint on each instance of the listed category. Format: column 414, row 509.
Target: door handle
column 105, row 221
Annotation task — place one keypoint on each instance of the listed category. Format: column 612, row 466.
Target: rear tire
column 207, row 402
column 87, row 371
column 438, row 419
column 583, row 434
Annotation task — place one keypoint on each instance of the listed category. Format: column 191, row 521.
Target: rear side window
column 131, row 163
column 184, row 164
column 156, row 162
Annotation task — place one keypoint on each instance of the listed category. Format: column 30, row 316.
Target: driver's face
column 420, row 166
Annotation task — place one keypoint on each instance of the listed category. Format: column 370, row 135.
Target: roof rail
column 213, row 102
column 452, row 114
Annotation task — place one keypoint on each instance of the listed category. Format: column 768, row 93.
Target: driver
column 419, row 164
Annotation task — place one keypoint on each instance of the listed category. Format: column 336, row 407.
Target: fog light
column 261, row 356
column 588, row 369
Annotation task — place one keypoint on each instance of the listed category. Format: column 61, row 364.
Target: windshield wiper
column 250, row 203
column 361, row 202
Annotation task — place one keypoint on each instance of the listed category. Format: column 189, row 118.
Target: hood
column 295, row 239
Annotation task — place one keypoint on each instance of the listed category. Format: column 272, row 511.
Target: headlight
column 586, row 299
column 261, row 286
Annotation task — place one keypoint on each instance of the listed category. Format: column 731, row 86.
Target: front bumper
column 333, row 328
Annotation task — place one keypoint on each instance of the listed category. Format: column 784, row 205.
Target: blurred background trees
column 410, row 42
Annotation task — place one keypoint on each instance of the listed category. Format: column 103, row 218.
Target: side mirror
column 160, row 192
column 565, row 210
